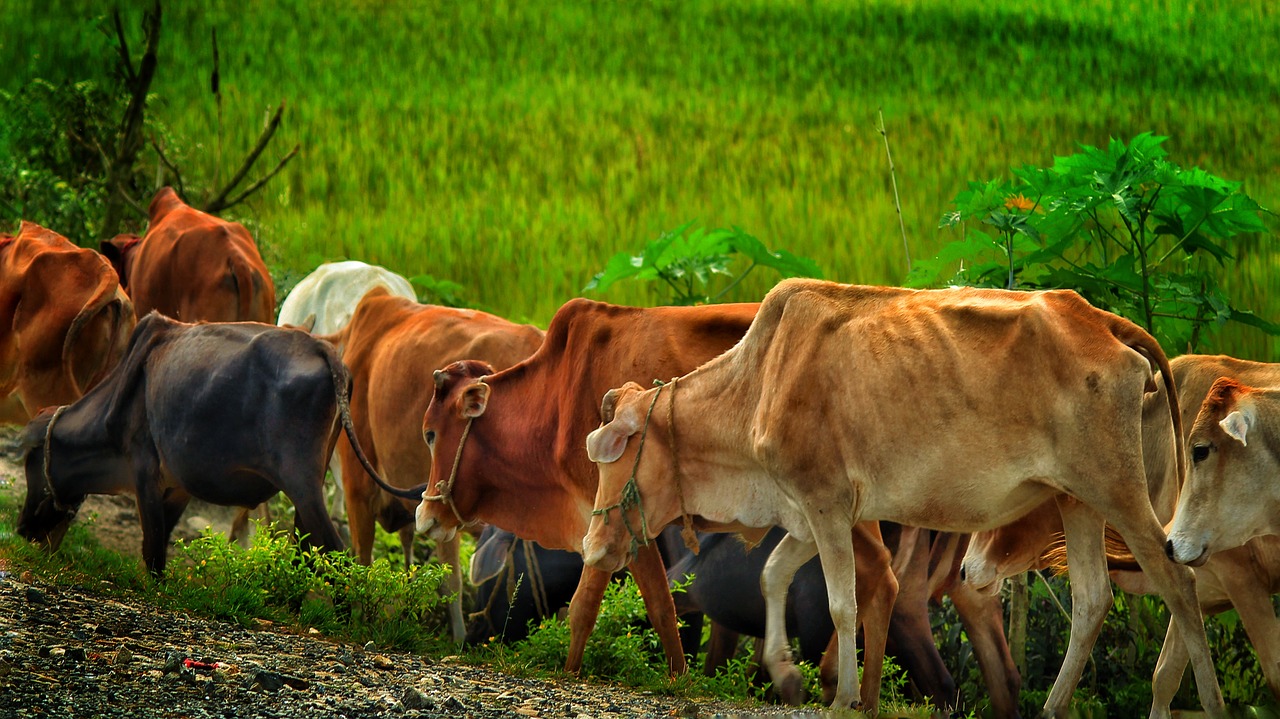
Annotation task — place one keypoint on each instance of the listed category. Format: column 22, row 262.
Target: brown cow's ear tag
column 1238, row 423
column 475, row 399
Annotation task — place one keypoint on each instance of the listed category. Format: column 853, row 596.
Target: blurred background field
column 513, row 147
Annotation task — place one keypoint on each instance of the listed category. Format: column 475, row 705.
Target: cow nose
column 963, row 574
column 1168, row 548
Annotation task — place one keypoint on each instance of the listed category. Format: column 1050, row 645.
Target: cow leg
column 721, row 647
column 152, row 514
column 311, row 519
column 775, row 580
column 1176, row 585
column 449, row 553
column 909, row 629
column 336, row 504
column 360, row 495
column 1168, row 675
column 834, row 542
column 878, row 592
column 1090, row 597
column 584, row 608
column 1248, row 594
column 651, row 578
column 406, row 545
column 983, row 619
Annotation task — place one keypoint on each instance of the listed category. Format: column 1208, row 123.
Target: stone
column 414, row 699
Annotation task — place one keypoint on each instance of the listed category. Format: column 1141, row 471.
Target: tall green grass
column 514, row 146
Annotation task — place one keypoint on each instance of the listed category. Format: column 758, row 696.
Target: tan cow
column 1243, row 578
column 392, row 346
column 65, row 321
column 1232, row 490
column 959, row 410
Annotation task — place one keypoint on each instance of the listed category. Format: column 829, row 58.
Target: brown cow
column 65, row 320
column 1243, row 578
column 958, row 410
column 522, row 467
column 193, row 266
column 391, row 346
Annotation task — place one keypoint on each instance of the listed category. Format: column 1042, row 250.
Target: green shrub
column 1128, row 229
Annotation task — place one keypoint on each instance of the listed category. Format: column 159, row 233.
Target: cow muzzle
column 430, row 526
column 1184, row 550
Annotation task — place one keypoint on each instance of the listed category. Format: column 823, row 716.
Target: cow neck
column 510, row 456
column 689, row 536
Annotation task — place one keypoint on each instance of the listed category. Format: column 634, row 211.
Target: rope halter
column 444, row 490
column 48, row 459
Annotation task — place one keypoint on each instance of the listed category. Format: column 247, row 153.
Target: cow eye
column 1199, row 453
column 431, row 436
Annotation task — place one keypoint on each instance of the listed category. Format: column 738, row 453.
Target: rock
column 35, row 596
column 122, row 656
column 453, row 704
column 382, row 662
column 197, row 524
column 370, row 646
column 173, row 662
column 269, row 681
column 414, row 699
column 526, row 711
column 312, row 631
column 77, row 654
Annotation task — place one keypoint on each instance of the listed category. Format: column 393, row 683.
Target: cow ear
column 491, row 557
column 1238, row 423
column 475, row 399
column 606, row 444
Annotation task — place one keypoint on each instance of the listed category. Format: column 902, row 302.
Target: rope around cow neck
column 48, row 459
column 444, row 491
column 689, row 536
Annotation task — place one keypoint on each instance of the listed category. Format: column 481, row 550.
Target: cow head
column 633, row 500
column 46, row 514
column 1232, row 492
column 997, row 554
column 460, row 396
column 119, row 251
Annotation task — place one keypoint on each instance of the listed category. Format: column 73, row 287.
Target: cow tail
column 341, row 384
column 104, row 297
column 1144, row 344
column 1119, row 556
column 242, row 280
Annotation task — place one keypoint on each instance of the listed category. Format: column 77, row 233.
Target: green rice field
column 514, row 146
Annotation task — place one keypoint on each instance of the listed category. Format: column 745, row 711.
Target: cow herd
column 918, row 443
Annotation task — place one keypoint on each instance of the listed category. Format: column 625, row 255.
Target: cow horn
column 608, row 405
column 439, row 377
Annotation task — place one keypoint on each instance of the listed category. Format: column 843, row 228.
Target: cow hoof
column 790, row 687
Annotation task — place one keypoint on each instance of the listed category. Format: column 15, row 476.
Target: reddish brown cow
column 193, row 266
column 66, row 322
column 392, row 345
column 523, row 467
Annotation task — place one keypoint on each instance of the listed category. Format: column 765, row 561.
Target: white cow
column 959, row 410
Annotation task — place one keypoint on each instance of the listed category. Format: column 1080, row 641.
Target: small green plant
column 438, row 291
column 1130, row 230
column 688, row 260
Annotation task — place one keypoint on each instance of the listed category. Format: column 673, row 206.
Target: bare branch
column 128, row 200
column 219, row 201
column 177, row 174
column 258, row 185
column 122, row 44
column 897, row 204
column 130, row 131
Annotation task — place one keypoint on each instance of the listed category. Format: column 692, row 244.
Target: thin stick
column 897, row 203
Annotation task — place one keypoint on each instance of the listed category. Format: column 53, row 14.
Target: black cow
column 229, row 413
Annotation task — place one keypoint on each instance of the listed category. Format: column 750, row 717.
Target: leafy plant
column 687, row 261
column 1130, row 230
column 438, row 291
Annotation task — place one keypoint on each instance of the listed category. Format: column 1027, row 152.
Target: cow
column 392, row 345
column 193, row 266
column 66, row 322
column 522, row 467
column 1243, row 578
column 229, row 413
column 323, row 302
column 958, row 410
